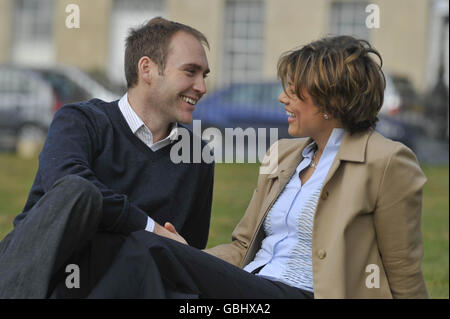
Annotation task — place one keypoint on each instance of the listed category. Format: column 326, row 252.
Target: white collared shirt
column 139, row 129
column 286, row 252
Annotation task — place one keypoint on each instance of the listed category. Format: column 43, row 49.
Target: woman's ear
column 145, row 69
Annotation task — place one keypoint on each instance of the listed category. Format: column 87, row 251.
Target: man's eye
column 191, row 72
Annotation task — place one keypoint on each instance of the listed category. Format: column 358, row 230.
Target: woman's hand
column 169, row 231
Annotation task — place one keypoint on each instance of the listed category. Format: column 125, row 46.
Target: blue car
column 247, row 105
column 256, row 105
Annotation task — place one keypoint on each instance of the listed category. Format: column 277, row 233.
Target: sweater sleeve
column 196, row 228
column 71, row 146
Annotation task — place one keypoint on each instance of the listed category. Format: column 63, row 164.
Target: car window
column 16, row 82
column 258, row 94
column 66, row 89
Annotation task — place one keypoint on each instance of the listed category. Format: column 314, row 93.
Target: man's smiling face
column 176, row 91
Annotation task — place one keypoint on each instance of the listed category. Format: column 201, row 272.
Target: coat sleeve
column 71, row 146
column 398, row 224
column 247, row 229
column 235, row 251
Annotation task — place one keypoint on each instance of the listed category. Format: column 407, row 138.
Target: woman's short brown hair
column 152, row 40
column 341, row 77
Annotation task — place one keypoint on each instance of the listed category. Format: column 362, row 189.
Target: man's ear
column 146, row 69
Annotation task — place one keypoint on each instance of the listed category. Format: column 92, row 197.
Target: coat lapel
column 352, row 149
column 282, row 176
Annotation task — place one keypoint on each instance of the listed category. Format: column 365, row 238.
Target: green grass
column 233, row 187
column 16, row 178
column 435, row 231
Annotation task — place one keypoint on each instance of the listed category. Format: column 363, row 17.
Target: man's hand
column 169, row 231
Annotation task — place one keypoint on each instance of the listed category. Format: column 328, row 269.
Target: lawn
column 233, row 187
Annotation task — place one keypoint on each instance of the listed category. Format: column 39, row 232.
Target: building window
column 33, row 31
column 243, row 41
column 349, row 18
column 140, row 5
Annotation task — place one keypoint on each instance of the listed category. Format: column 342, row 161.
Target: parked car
column 244, row 105
column 256, row 105
column 410, row 99
column 71, row 84
column 392, row 103
column 29, row 97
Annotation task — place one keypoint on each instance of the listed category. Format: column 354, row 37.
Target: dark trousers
column 150, row 266
column 64, row 220
column 62, row 229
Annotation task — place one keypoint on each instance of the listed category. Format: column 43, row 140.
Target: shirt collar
column 173, row 132
column 134, row 121
column 334, row 141
column 330, row 151
column 308, row 151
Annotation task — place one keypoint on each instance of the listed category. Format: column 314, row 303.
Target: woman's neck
column 322, row 140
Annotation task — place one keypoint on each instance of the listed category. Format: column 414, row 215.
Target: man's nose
column 200, row 85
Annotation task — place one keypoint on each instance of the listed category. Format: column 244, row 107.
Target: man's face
column 175, row 92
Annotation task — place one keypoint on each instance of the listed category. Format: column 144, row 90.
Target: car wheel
column 30, row 139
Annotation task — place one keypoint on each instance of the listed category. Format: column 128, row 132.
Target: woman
column 363, row 208
column 337, row 215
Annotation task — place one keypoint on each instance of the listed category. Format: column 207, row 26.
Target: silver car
column 29, row 97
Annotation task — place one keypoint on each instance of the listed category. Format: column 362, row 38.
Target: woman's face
column 305, row 119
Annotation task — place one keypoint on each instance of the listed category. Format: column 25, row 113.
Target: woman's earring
column 325, row 116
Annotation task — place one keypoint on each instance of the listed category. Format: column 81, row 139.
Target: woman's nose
column 283, row 98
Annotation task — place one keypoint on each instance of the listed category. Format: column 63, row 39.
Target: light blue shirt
column 286, row 251
column 139, row 129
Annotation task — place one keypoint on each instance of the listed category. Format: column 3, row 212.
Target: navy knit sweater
column 92, row 139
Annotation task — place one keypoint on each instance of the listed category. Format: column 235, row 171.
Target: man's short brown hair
column 341, row 77
column 152, row 40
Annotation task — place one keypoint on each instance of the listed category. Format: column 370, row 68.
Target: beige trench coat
column 367, row 240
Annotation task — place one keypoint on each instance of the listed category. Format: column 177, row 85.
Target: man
column 105, row 171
